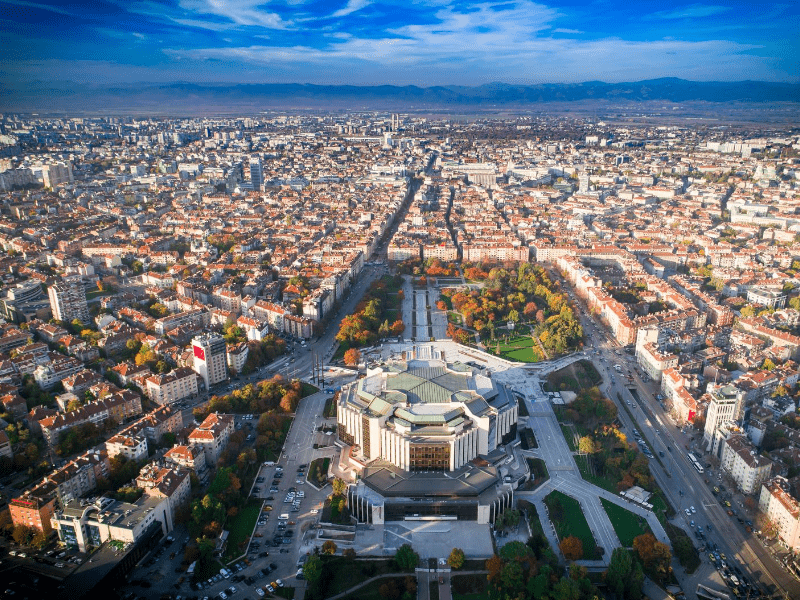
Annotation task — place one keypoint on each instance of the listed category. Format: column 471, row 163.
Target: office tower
column 210, row 360
column 68, row 301
column 256, row 173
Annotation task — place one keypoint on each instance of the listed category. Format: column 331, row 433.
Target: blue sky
column 366, row 42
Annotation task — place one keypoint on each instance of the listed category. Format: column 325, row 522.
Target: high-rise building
column 583, row 183
column 210, row 358
column 68, row 301
column 55, row 174
column 256, row 173
column 726, row 404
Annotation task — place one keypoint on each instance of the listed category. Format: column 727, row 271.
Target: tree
column 329, row 547
column 494, row 565
column 456, row 558
column 512, row 577
column 349, row 553
column 405, row 558
column 389, row 590
column 768, row 365
column 586, row 445
column 352, row 357
column 339, row 486
column 571, row 548
column 655, row 555
column 624, row 575
column 312, row 570
column 22, row 534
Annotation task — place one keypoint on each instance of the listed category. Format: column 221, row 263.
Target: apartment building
column 173, row 386
column 782, row 510
column 131, row 446
column 212, row 435
column 33, row 511
column 168, row 483
column 741, row 460
column 68, row 301
column 191, row 457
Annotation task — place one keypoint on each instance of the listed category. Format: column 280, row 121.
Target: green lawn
column 568, row 435
column 626, row 524
column 520, row 348
column 568, row 519
column 97, row 293
column 241, row 528
column 344, row 574
column 330, row 408
column 285, row 592
column 308, row 389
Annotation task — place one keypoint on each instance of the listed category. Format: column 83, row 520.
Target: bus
column 695, row 462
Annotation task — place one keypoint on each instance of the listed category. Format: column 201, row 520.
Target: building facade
column 68, row 301
column 210, row 358
column 425, row 415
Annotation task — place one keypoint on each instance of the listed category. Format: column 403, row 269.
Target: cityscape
column 420, row 301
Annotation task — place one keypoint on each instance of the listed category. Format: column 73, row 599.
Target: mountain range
column 192, row 98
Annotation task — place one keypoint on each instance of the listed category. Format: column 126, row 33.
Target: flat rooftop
column 468, row 481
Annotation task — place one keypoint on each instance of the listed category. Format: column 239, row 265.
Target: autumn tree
column 571, row 548
column 655, row 555
column 456, row 558
column 339, row 486
column 22, row 534
column 352, row 357
column 494, row 566
column 329, row 547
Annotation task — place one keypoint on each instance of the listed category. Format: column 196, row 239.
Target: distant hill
column 199, row 98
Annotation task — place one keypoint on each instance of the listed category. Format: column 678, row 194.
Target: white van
column 284, row 517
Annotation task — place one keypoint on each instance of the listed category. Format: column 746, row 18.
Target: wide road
column 682, row 484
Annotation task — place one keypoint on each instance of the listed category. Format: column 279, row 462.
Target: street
column 677, row 477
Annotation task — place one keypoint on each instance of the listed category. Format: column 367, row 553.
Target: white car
column 314, row 511
column 260, row 592
column 270, row 589
column 692, row 509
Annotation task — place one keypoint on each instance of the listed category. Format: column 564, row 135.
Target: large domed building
column 427, row 437
column 426, row 415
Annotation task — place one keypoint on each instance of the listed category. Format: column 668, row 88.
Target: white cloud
column 351, row 7
column 499, row 43
column 695, row 11
column 240, row 12
column 562, row 30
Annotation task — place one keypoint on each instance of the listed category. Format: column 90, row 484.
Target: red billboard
column 199, row 353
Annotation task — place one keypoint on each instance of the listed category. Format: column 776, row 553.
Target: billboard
column 199, row 352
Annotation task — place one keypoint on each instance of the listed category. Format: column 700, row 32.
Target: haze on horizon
column 365, row 42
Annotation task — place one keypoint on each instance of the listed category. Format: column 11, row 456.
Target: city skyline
column 361, row 42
